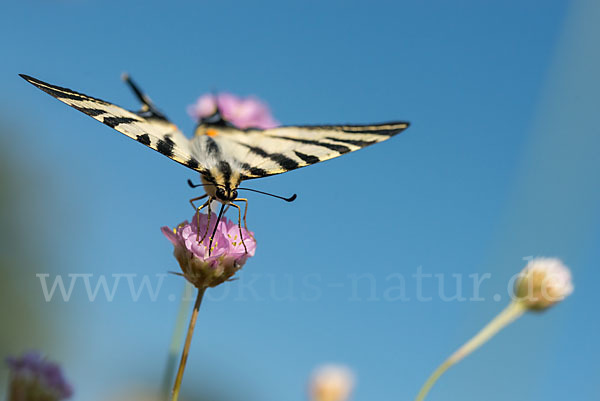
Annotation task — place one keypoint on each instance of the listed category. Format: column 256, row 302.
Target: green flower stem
column 176, row 342
column 186, row 347
column 513, row 311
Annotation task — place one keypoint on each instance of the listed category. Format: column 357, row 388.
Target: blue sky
column 500, row 163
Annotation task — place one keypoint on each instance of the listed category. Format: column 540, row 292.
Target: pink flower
column 227, row 252
column 33, row 378
column 244, row 113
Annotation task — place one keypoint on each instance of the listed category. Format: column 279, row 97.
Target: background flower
column 249, row 112
column 543, row 282
column 331, row 383
column 34, row 378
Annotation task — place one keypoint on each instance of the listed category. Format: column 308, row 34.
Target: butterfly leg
column 245, row 212
column 198, row 209
column 197, row 199
column 240, row 224
column 207, row 223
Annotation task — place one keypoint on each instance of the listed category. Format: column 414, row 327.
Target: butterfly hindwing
column 274, row 151
column 148, row 126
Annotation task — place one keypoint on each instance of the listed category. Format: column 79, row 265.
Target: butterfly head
column 223, row 192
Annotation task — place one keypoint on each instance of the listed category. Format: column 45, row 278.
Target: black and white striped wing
column 275, row 151
column 147, row 126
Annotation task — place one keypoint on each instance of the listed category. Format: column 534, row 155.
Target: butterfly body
column 222, row 173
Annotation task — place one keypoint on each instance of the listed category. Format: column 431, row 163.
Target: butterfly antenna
column 290, row 199
column 192, row 185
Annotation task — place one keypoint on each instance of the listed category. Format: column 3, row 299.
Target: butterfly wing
column 262, row 153
column 148, row 126
column 258, row 153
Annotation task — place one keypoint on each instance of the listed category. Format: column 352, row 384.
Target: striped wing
column 274, row 151
column 148, row 126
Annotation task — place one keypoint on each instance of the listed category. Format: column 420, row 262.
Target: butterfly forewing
column 273, row 151
column 147, row 126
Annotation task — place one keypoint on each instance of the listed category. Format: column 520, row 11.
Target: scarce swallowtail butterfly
column 223, row 154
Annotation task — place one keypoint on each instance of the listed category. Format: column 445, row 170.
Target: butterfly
column 223, row 154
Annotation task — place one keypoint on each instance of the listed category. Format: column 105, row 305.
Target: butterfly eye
column 220, row 193
column 234, row 194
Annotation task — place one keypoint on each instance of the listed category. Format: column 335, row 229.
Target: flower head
column 228, row 251
column 542, row 283
column 331, row 383
column 244, row 113
column 34, row 378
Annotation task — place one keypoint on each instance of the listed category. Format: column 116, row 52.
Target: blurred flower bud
column 331, row 383
column 542, row 283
